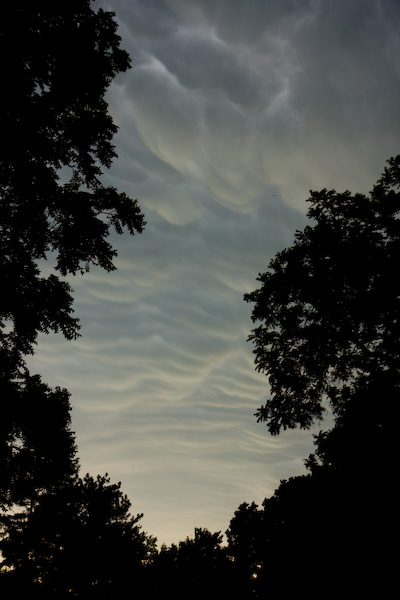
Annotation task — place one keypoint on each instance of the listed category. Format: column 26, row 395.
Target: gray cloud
column 231, row 113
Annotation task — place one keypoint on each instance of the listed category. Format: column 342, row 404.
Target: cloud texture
column 231, row 113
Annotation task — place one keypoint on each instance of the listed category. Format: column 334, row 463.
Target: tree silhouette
column 329, row 312
column 246, row 541
column 56, row 140
column 60, row 535
column 327, row 533
column 37, row 458
column 329, row 305
column 197, row 567
column 34, row 457
column 79, row 540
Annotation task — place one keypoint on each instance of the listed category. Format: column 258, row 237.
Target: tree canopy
column 58, row 532
column 57, row 63
column 37, row 447
column 80, row 539
column 196, row 568
column 329, row 305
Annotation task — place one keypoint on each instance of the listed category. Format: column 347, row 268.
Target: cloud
column 162, row 381
column 235, row 99
column 230, row 114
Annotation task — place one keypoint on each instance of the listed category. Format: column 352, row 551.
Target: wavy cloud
column 231, row 113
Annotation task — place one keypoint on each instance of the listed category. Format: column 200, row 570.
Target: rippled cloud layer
column 231, row 113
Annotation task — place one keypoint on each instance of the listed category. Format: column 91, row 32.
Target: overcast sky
column 232, row 112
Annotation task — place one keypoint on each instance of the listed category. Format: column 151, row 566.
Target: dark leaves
column 57, row 63
column 329, row 305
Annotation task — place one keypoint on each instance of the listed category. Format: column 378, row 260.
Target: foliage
column 37, row 448
column 329, row 305
column 197, row 567
column 81, row 540
column 364, row 438
column 327, row 532
column 60, row 535
column 329, row 313
column 246, row 540
column 57, row 61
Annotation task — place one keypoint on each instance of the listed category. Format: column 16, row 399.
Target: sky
column 233, row 110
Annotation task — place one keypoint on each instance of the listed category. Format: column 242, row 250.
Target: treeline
column 327, row 335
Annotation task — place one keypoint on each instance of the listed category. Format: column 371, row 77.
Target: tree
column 57, row 63
column 79, row 540
column 329, row 305
column 329, row 312
column 313, row 530
column 246, row 541
column 37, row 447
column 329, row 532
column 56, row 217
column 37, row 459
column 197, row 567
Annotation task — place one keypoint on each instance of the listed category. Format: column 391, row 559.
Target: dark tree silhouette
column 57, row 61
column 311, row 541
column 80, row 541
column 246, row 540
column 37, row 447
column 197, row 567
column 329, row 312
column 329, row 305
column 364, row 438
column 327, row 533
column 37, row 458
column 60, row 534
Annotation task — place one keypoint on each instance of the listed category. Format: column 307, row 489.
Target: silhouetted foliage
column 60, row 535
column 79, row 541
column 246, row 541
column 364, row 437
column 312, row 542
column 57, row 61
column 37, row 448
column 196, row 568
column 329, row 311
column 328, row 534
column 329, row 305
